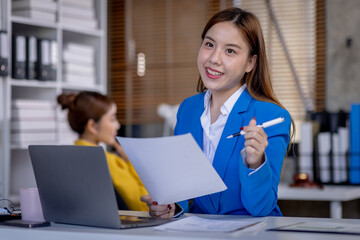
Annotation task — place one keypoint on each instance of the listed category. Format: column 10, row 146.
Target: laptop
column 75, row 187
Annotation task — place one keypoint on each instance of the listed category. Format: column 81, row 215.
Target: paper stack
column 200, row 224
column 32, row 122
column 35, row 9
column 67, row 135
column 80, row 13
column 79, row 64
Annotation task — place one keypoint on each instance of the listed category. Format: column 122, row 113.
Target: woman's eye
column 230, row 51
column 209, row 44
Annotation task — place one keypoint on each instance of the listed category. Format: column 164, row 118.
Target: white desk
column 335, row 194
column 72, row 232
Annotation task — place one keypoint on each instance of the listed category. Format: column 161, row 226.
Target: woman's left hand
column 255, row 144
column 120, row 151
column 156, row 210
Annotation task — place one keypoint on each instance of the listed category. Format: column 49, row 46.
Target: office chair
column 168, row 113
column 120, row 201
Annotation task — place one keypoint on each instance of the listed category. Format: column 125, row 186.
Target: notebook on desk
column 75, row 187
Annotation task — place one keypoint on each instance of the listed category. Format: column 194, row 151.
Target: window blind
column 303, row 30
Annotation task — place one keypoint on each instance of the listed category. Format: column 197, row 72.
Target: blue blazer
column 247, row 194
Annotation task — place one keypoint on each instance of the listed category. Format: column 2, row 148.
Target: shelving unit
column 15, row 166
column 2, row 136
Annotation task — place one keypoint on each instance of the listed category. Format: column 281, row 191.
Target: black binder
column 19, row 56
column 44, row 56
column 31, row 58
column 4, row 53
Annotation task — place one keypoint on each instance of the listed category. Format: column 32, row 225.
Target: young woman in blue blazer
column 235, row 91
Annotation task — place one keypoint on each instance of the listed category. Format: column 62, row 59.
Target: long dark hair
column 258, row 80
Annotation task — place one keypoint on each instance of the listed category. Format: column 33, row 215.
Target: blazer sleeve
column 259, row 189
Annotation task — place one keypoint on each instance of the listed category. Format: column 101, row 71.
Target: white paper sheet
column 172, row 168
column 198, row 224
column 325, row 227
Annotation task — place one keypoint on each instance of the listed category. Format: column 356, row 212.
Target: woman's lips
column 213, row 74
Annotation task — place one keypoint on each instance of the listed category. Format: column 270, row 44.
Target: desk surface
column 64, row 232
column 328, row 193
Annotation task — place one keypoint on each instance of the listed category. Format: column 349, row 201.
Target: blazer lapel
column 197, row 131
column 226, row 146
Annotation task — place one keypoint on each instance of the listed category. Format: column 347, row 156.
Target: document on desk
column 199, row 224
column 321, row 227
column 172, row 169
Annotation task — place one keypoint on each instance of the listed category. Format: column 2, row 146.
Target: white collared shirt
column 212, row 132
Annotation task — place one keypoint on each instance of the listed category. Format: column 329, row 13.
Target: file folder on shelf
column 336, row 158
column 53, row 59
column 31, row 58
column 324, row 150
column 343, row 151
column 18, row 56
column 4, row 53
column 354, row 175
column 44, row 58
column 331, row 152
column 308, row 132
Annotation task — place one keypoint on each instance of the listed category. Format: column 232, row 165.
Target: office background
column 320, row 36
column 151, row 58
column 320, row 39
column 342, row 85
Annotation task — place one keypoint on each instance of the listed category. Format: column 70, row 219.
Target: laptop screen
column 74, row 185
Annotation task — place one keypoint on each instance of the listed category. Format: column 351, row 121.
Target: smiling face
column 107, row 126
column 224, row 58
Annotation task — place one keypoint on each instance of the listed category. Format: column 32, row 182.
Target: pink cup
column 31, row 209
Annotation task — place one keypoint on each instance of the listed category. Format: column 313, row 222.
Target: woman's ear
column 251, row 63
column 91, row 127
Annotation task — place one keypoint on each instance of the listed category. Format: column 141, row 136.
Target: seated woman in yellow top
column 93, row 117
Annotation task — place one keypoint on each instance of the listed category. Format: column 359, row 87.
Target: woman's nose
column 215, row 57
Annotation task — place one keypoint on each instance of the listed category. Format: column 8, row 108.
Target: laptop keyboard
column 133, row 220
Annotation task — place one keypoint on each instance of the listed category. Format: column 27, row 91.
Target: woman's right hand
column 158, row 211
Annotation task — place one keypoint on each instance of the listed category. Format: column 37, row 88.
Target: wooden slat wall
column 168, row 33
column 116, row 55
